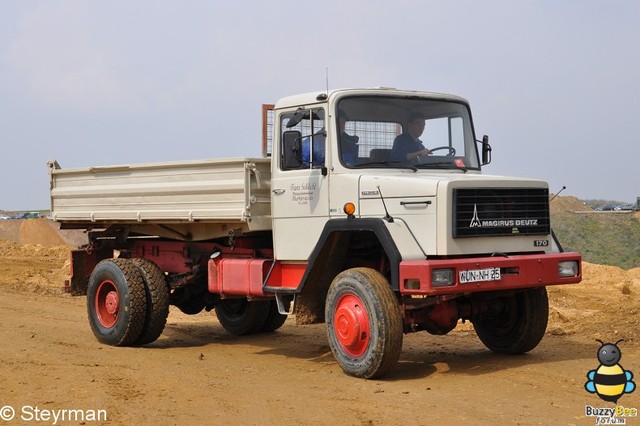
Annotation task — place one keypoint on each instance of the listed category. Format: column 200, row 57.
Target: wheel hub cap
column 107, row 304
column 111, row 302
column 352, row 325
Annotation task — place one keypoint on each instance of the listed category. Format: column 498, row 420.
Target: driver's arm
column 415, row 155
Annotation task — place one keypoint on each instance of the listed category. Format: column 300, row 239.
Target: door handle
column 409, row 203
column 278, row 191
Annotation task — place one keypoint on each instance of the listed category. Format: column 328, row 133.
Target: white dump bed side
column 229, row 191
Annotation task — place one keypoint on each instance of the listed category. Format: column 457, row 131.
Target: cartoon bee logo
column 609, row 381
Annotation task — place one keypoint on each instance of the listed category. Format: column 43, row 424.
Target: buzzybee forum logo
column 609, row 381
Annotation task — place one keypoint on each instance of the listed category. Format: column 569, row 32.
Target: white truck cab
column 431, row 196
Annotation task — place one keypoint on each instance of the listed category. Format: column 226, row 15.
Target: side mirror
column 292, row 149
column 486, row 150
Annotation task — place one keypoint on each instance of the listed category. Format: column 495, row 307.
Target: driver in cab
column 407, row 147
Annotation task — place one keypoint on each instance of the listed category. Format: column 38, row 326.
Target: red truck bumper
column 479, row 274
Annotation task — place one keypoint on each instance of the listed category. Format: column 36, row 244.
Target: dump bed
column 232, row 193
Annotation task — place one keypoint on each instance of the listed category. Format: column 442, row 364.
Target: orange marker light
column 349, row 208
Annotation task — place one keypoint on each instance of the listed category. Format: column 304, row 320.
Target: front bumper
column 517, row 272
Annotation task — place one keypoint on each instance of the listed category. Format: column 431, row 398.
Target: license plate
column 479, row 275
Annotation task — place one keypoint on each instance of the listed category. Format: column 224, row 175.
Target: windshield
column 394, row 132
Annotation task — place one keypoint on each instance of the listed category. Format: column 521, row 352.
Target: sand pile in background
column 34, row 254
column 40, row 231
column 10, row 230
column 568, row 204
column 606, row 303
column 34, row 267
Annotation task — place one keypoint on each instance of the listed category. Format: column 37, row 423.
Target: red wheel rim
column 107, row 304
column 352, row 325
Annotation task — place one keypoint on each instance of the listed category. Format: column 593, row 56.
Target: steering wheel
column 452, row 150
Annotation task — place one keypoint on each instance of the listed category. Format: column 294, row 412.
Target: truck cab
column 352, row 134
column 436, row 205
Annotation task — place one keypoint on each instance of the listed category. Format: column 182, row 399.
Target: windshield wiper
column 395, row 164
column 438, row 165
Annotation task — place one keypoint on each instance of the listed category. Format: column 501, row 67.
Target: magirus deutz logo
column 498, row 223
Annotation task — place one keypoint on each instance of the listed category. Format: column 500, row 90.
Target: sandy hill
column 567, row 204
column 40, row 231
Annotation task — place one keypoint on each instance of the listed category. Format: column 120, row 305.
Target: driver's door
column 299, row 189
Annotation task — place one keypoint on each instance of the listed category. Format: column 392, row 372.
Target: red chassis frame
column 245, row 271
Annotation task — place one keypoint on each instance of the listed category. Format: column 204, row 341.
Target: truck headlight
column 442, row 277
column 568, row 268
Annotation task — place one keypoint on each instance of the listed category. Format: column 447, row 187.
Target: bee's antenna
column 616, row 343
column 601, row 342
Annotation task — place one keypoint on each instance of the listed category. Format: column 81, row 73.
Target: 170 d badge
column 541, row 243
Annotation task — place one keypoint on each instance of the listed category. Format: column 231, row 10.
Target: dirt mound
column 605, row 304
column 568, row 204
column 10, row 230
column 39, row 231
column 34, row 267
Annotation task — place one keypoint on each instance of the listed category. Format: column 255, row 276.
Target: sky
column 555, row 84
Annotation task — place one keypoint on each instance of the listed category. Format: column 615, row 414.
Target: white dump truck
column 349, row 219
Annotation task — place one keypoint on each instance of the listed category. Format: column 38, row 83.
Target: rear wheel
column 364, row 323
column 192, row 307
column 274, row 320
column 116, row 302
column 514, row 323
column 240, row 316
column 157, row 293
column 190, row 299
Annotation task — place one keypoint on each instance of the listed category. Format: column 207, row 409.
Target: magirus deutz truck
column 335, row 223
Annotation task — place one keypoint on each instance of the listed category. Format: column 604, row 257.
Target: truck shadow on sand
column 467, row 356
column 422, row 356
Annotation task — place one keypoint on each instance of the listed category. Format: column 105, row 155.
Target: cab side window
column 302, row 139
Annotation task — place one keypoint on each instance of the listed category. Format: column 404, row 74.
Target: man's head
column 415, row 124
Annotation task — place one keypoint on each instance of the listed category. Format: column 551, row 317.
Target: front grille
column 500, row 211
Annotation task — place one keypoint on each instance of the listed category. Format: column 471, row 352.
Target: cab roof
column 311, row 98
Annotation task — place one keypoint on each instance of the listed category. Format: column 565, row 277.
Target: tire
column 192, row 307
column 188, row 301
column 364, row 323
column 516, row 324
column 240, row 317
column 116, row 302
column 157, row 293
column 274, row 320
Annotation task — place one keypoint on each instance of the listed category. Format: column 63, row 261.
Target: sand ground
column 196, row 373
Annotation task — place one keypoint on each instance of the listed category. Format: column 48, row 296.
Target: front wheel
column 364, row 323
column 514, row 323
